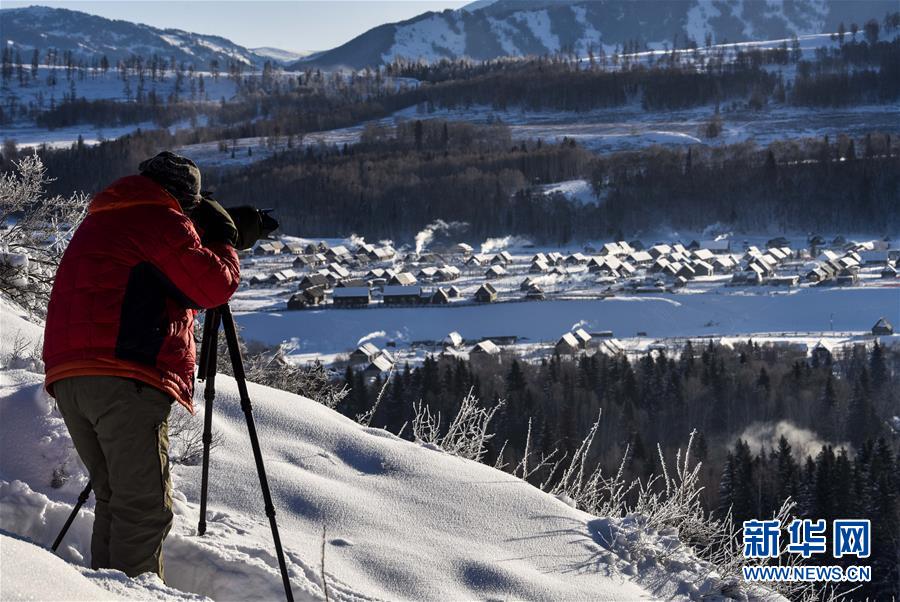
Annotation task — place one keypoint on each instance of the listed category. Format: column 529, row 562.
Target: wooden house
column 401, row 295
column 402, row 279
column 364, row 354
column 486, row 293
column 567, row 345
column 485, row 348
column 494, row 272
column 453, row 340
column 883, row 328
column 351, row 296
column 439, row 297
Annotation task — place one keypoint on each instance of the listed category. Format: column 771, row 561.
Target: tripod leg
column 208, row 372
column 237, row 364
column 82, row 498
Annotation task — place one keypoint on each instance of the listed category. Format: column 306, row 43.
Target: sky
column 296, row 25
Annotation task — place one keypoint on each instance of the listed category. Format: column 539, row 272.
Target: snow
column 698, row 18
column 477, row 5
column 401, row 520
column 281, row 55
column 591, row 38
column 27, row 136
column 629, row 127
column 106, row 86
column 603, row 130
column 15, row 326
column 25, row 564
column 580, row 191
column 540, row 25
column 429, row 39
column 176, row 42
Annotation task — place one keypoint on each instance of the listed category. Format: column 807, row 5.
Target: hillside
column 91, row 36
column 401, row 520
column 535, row 27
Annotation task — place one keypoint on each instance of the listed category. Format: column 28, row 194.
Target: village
column 339, row 276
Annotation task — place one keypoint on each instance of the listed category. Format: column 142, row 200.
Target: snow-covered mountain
column 401, row 520
column 281, row 56
column 89, row 35
column 490, row 29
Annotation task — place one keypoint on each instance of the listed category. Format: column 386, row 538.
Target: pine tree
column 825, row 506
column 744, row 487
column 787, row 481
column 806, row 506
column 878, row 367
column 35, row 61
column 862, row 421
column 726, row 486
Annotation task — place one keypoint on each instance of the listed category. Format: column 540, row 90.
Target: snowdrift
column 399, row 520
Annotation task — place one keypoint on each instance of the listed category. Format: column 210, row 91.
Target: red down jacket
column 128, row 288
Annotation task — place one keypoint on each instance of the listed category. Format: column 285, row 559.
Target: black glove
column 215, row 223
column 252, row 224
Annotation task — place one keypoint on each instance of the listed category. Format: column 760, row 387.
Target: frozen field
column 607, row 130
column 659, row 315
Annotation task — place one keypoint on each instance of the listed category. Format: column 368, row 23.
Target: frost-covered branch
column 34, row 231
column 366, row 417
column 467, row 434
column 186, row 438
column 669, row 502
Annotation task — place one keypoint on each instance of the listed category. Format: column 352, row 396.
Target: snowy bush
column 670, row 503
column 34, row 231
column 186, row 438
column 467, row 434
column 23, row 355
column 266, row 365
column 313, row 381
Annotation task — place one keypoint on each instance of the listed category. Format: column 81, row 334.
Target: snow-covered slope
column 533, row 27
column 400, row 520
column 30, row 572
column 92, row 36
column 281, row 56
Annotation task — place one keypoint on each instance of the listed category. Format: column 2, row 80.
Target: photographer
column 119, row 340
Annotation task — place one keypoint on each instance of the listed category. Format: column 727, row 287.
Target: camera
column 241, row 226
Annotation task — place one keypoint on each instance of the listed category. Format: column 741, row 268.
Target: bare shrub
column 34, row 231
column 671, row 501
column 23, row 355
column 186, row 439
column 269, row 366
column 313, row 381
column 467, row 434
column 365, row 418
column 712, row 127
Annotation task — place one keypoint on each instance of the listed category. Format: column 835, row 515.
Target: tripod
column 207, row 371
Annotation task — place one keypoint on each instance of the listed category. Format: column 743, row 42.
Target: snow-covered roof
column 568, row 340
column 351, row 292
column 398, row 290
column 582, row 335
column 487, row 347
column 367, row 349
column 454, row 339
column 380, row 364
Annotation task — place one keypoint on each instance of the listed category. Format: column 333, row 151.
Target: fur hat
column 178, row 175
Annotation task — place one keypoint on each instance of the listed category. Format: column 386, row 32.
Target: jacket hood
column 130, row 191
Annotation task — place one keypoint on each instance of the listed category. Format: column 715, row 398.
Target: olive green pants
column 120, row 429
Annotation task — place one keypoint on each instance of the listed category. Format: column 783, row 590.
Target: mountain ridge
column 537, row 27
column 89, row 36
